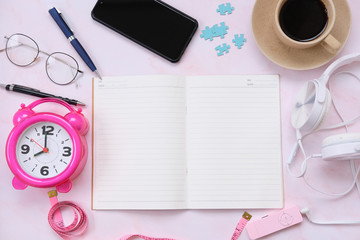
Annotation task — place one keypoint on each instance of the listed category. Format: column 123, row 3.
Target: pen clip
column 58, row 11
column 63, row 18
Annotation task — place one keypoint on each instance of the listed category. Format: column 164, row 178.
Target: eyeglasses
column 23, row 51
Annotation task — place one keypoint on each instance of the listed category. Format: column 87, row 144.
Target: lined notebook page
column 234, row 142
column 168, row 142
column 139, row 143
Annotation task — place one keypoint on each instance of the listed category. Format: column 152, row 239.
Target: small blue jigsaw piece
column 222, row 48
column 221, row 30
column 225, row 8
column 239, row 40
column 214, row 31
column 207, row 34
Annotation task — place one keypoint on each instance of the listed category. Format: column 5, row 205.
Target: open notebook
column 195, row 142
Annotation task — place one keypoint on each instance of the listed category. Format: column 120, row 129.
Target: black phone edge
column 147, row 47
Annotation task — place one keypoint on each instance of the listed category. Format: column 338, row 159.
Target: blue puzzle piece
column 239, row 40
column 221, row 30
column 222, row 48
column 207, row 34
column 225, row 8
column 214, row 31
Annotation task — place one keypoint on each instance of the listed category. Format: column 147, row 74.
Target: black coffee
column 303, row 20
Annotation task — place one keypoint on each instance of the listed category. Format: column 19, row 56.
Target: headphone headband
column 347, row 59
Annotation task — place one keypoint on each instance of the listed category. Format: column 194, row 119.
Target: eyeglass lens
column 21, row 50
column 61, row 68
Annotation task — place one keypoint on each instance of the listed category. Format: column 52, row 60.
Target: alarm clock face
column 44, row 150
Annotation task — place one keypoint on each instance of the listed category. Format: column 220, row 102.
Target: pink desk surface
column 23, row 214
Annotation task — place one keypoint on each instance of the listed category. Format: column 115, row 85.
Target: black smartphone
column 151, row 23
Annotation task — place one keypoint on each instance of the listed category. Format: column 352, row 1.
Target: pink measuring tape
column 126, row 237
column 241, row 225
column 77, row 227
column 80, row 222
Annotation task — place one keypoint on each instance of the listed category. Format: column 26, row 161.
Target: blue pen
column 56, row 14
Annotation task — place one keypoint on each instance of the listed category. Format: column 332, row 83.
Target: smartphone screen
column 151, row 23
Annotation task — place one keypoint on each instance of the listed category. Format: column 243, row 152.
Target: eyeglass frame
column 37, row 57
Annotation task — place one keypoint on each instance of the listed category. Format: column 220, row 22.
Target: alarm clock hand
column 37, row 154
column 43, row 149
column 45, row 141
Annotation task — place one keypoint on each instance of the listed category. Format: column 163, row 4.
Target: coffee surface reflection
column 303, row 20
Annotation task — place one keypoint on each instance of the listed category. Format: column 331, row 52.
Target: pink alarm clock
column 45, row 149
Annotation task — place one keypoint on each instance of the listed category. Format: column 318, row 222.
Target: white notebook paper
column 194, row 142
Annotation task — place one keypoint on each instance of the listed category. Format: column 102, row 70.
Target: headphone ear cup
column 312, row 103
column 341, row 147
column 324, row 111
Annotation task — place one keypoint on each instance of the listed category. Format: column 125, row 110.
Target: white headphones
column 312, row 104
column 310, row 109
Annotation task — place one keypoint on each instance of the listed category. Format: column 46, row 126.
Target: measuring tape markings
column 241, row 225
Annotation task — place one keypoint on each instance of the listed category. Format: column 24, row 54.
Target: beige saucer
column 285, row 56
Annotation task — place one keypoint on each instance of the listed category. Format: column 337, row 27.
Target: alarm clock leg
column 17, row 184
column 64, row 187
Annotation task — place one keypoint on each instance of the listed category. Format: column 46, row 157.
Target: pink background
column 23, row 214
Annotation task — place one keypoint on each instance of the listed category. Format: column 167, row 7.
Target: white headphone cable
column 304, row 167
column 352, row 165
column 306, row 212
column 300, row 137
column 336, row 194
column 303, row 171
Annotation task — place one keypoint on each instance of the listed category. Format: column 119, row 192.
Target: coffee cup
column 306, row 23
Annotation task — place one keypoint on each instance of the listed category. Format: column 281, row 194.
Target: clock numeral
column 47, row 130
column 25, row 149
column 67, row 151
column 44, row 170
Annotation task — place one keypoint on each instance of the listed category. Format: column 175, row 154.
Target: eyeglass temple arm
column 1, row 50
